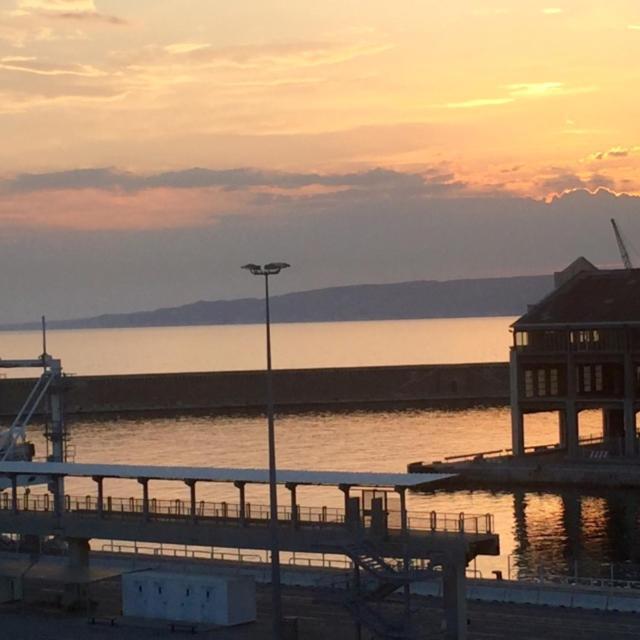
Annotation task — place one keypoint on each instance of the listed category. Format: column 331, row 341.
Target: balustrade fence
column 253, row 513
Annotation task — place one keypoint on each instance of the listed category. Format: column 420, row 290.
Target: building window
column 542, row 382
column 553, row 382
column 597, row 370
column 528, row 383
column 586, row 378
column 522, row 339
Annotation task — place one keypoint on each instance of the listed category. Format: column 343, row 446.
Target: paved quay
column 318, row 620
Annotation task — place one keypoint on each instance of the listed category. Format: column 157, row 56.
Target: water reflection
column 570, row 533
column 554, row 531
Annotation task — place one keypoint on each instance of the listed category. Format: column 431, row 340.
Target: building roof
column 211, row 474
column 589, row 299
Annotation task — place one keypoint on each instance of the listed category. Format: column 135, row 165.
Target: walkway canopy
column 212, row 474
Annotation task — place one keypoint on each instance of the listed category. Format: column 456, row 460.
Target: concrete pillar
column 294, row 503
column 571, row 430
column 570, row 412
column 517, row 419
column 454, row 600
column 78, row 553
column 562, row 430
column 629, row 405
column 613, row 430
column 242, row 508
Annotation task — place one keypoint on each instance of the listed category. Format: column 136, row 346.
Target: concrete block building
column 578, row 349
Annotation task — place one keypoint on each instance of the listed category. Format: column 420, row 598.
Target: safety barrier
column 309, row 516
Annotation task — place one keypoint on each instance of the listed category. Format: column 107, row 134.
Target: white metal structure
column 189, row 598
column 14, row 445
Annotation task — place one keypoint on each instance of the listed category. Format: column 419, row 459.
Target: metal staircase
column 384, row 579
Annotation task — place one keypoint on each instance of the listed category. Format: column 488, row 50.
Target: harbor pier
column 390, row 548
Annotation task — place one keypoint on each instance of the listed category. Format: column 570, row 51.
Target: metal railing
column 231, row 512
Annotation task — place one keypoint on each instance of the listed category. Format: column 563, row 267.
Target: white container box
column 195, row 598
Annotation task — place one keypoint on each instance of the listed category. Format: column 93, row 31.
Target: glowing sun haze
column 120, row 115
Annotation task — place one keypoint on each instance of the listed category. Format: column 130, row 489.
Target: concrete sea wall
column 448, row 386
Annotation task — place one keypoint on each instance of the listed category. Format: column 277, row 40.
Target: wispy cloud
column 76, row 10
column 522, row 90
column 29, row 64
column 552, row 11
column 477, row 103
column 614, row 152
column 534, row 89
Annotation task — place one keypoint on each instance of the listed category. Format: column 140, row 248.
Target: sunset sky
column 148, row 146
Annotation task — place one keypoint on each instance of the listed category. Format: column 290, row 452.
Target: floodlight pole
column 266, row 271
column 273, row 487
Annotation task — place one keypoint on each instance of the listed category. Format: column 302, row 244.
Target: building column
column 454, row 600
column 570, row 411
column 629, row 405
column 562, row 430
column 517, row 419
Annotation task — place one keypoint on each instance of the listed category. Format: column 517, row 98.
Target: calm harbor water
column 238, row 347
column 550, row 531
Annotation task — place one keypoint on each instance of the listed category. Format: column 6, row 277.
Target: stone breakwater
column 345, row 388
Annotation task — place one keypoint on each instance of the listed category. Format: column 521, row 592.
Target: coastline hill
column 398, row 301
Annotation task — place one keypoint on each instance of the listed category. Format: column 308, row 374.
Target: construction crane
column 624, row 254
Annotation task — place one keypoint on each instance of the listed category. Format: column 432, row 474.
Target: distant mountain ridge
column 398, row 301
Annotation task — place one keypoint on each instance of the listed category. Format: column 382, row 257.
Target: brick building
column 577, row 349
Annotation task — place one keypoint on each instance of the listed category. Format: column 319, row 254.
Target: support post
column 356, row 596
column 455, row 603
column 145, row 497
column 294, row 504
column 629, row 404
column 571, row 413
column 562, row 429
column 192, row 499
column 404, row 531
column 240, row 486
column 346, row 489
column 517, row 419
column 57, row 429
column 100, row 506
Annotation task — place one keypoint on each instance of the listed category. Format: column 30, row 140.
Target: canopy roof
column 212, row 474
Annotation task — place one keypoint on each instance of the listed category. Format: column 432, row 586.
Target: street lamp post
column 271, row 269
